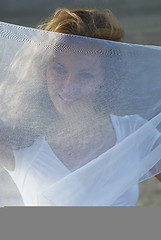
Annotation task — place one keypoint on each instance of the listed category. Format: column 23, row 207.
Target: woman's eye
column 86, row 76
column 57, row 68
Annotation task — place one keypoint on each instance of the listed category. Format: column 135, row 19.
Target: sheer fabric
column 79, row 117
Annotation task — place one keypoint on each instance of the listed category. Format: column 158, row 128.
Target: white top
column 37, row 167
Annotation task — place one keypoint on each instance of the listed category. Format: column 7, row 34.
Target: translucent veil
column 79, row 117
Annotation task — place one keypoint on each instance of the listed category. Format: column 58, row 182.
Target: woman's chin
column 64, row 107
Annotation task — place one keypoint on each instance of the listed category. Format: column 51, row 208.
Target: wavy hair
column 93, row 23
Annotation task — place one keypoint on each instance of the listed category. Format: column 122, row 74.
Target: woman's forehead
column 72, row 60
column 80, row 45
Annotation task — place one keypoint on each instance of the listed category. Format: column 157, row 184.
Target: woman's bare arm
column 6, row 153
column 6, row 156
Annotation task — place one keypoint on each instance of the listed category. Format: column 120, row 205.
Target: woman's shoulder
column 24, row 156
column 128, row 122
column 135, row 118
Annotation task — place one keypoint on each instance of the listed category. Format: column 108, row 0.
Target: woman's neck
column 78, row 144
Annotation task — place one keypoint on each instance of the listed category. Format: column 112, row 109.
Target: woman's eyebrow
column 55, row 61
column 86, row 69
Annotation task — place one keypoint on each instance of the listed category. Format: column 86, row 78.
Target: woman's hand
column 158, row 176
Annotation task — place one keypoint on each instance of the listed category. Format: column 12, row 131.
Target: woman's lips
column 65, row 99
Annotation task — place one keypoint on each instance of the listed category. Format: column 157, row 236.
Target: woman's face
column 73, row 80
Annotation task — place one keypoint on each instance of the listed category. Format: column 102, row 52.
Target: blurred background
column 141, row 21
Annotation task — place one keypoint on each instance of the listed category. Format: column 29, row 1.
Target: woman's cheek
column 54, row 81
column 90, row 89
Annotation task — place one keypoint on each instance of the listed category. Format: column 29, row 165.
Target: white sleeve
column 148, row 145
column 144, row 144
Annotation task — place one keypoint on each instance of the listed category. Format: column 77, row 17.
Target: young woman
column 65, row 136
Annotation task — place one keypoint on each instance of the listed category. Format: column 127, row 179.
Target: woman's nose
column 69, row 85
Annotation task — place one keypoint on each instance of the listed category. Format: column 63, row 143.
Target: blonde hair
column 93, row 23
